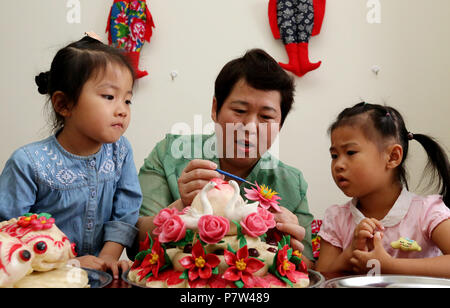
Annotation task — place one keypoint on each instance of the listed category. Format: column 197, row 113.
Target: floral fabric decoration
column 130, row 23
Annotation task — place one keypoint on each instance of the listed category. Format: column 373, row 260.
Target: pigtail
column 437, row 164
column 42, row 81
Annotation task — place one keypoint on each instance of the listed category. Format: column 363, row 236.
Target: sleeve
column 435, row 212
column 305, row 218
column 127, row 200
column 18, row 187
column 153, row 180
column 330, row 227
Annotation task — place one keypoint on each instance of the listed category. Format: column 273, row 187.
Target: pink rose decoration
column 213, row 228
column 163, row 216
column 173, row 230
column 268, row 217
column 254, row 225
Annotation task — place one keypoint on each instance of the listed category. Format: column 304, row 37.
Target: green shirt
column 162, row 168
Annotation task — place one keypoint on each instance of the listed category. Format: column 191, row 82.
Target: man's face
column 249, row 122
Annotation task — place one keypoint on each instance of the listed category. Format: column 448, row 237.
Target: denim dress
column 93, row 199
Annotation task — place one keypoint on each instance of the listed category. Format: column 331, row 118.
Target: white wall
column 197, row 37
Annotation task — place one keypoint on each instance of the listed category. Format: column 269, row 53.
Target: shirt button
column 90, row 225
column 93, row 193
column 92, row 163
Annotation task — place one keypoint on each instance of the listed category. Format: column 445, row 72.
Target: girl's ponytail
column 437, row 163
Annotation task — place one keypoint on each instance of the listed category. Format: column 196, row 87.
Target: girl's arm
column 436, row 266
column 333, row 259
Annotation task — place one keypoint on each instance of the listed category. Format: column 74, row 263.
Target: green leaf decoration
column 240, row 235
column 289, row 253
column 231, row 249
column 283, row 278
column 296, row 260
column 186, row 240
column 287, row 281
column 238, row 225
column 46, row 215
column 199, row 239
column 273, row 267
column 239, row 284
column 28, row 214
column 185, row 275
column 167, row 259
column 242, row 242
column 215, row 270
column 149, row 275
column 141, row 255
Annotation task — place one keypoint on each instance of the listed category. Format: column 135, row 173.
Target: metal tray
column 387, row 281
column 316, row 279
column 98, row 279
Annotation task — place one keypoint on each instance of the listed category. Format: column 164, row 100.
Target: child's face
column 357, row 165
column 102, row 113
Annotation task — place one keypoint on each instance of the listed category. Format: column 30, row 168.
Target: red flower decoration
column 25, row 221
column 153, row 261
column 284, row 266
column 42, row 223
column 241, row 267
column 199, row 264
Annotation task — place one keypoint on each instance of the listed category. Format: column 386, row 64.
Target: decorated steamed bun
column 50, row 246
column 15, row 260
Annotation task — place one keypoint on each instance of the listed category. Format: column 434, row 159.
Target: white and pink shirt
column 412, row 216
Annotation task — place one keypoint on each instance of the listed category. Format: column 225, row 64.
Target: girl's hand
column 365, row 230
column 194, row 177
column 115, row 266
column 92, row 262
column 360, row 258
column 287, row 222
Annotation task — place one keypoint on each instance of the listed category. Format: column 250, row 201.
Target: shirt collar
column 395, row 215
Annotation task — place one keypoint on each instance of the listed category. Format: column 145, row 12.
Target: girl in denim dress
column 84, row 174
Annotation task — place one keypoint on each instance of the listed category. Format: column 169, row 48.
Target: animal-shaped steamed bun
column 15, row 260
column 219, row 198
column 51, row 247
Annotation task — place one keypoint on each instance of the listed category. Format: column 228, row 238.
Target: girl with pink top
column 406, row 233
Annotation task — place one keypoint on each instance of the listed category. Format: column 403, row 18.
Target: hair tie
column 410, row 136
column 388, row 114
